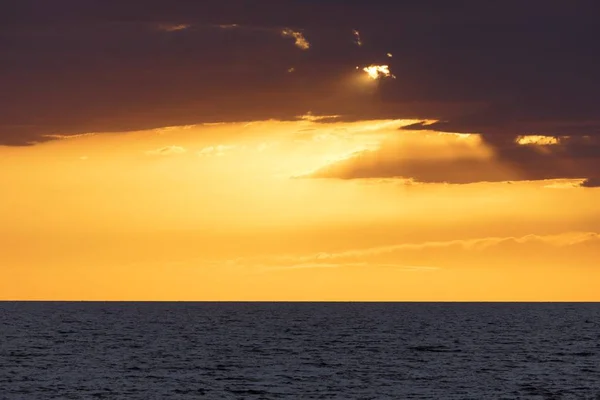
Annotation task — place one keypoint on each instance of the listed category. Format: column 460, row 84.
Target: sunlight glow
column 538, row 140
column 378, row 71
column 263, row 209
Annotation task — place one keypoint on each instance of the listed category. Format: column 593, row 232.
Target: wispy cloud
column 310, row 117
column 62, row 137
column 565, row 239
column 166, row 151
column 407, row 268
column 300, row 40
column 418, row 257
column 565, row 183
column 173, row 27
column 170, row 129
column 215, row 151
column 357, row 39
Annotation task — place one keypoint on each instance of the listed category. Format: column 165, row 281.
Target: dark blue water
column 299, row 351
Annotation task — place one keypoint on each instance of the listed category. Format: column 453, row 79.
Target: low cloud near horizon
column 433, row 157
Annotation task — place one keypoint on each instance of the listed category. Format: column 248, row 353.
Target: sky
column 299, row 150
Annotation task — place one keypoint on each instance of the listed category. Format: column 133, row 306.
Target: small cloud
column 215, row 151
column 170, row 129
column 300, row 42
column 292, row 69
column 173, row 27
column 378, row 71
column 539, row 140
column 389, row 55
column 357, row 39
column 565, row 184
column 63, row 137
column 591, row 183
column 228, row 26
column 166, row 151
column 310, row 117
column 83, row 158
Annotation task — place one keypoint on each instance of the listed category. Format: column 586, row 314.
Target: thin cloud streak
column 367, row 257
column 167, row 151
column 173, row 28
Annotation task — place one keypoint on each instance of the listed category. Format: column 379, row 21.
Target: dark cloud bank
column 502, row 69
column 571, row 158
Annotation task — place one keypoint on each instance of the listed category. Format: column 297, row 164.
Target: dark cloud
column 507, row 68
column 592, row 182
column 543, row 117
column 570, row 158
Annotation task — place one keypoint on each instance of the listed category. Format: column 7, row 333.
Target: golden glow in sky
column 537, row 139
column 233, row 211
column 245, row 153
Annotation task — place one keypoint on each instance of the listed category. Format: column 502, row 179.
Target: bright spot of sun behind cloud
column 378, row 71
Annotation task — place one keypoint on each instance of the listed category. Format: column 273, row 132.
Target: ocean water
column 299, row 351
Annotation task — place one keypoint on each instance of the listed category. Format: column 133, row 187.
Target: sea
column 181, row 350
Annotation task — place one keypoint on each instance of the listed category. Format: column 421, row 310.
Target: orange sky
column 271, row 210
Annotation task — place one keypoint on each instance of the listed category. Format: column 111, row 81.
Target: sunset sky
column 299, row 150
